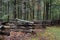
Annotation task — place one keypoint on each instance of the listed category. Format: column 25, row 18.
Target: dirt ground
column 20, row 35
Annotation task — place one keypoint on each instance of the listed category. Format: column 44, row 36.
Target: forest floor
column 50, row 33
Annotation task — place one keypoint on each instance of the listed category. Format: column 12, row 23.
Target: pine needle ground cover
column 50, row 33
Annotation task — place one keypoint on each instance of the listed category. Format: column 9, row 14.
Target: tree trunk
column 14, row 9
column 0, row 8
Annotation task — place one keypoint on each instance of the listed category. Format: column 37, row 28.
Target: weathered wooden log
column 4, row 33
column 55, row 22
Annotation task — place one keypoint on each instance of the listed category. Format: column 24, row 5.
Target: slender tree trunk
column 42, row 9
column 23, row 9
column 0, row 8
column 14, row 9
column 50, row 9
column 8, row 10
column 20, row 9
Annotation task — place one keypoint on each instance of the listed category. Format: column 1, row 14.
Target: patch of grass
column 54, row 30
